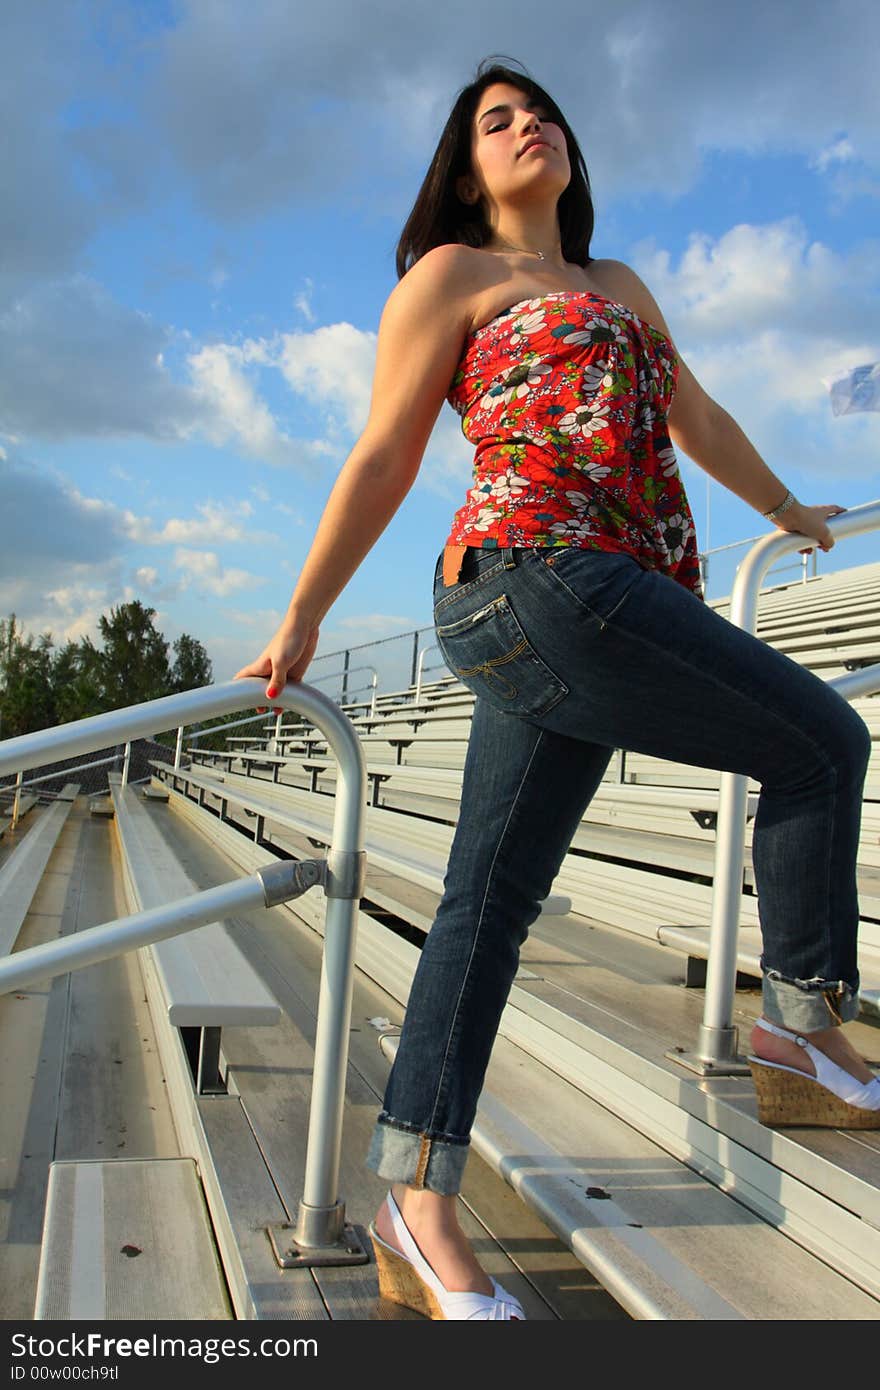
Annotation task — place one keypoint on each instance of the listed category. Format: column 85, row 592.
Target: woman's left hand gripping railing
column 321, row 1234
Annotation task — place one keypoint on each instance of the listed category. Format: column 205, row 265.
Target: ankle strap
column 781, row 1032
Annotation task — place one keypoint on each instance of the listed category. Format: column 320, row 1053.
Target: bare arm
column 711, row 436
column 420, row 338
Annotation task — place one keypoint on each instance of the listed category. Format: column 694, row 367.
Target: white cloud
column 303, row 301
column 332, row 366
column 793, row 75
column 290, row 511
column 755, row 276
column 267, row 619
column 838, row 152
column 374, row 624
column 75, row 363
column 763, row 315
column 234, row 411
column 202, row 569
column 215, row 522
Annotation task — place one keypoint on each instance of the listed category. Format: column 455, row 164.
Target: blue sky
column 200, row 208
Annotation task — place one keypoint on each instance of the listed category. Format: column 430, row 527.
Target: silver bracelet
column 788, row 501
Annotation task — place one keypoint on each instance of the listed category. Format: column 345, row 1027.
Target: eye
column 494, row 128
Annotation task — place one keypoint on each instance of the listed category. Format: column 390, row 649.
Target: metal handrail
column 716, row 1051
column 230, row 724
column 349, row 671
column 431, row 647
column 321, row 1234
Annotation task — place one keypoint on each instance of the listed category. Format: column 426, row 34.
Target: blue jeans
column 573, row 653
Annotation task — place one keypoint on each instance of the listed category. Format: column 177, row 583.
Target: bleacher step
column 21, row 873
column 694, row 942
column 665, row 1242
column 128, row 1239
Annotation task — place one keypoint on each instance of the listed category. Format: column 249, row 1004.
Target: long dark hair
column 439, row 216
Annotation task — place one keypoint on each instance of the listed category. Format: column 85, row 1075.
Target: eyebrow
column 505, row 106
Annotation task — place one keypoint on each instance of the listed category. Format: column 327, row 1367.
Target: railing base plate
column 730, row 1066
column 350, row 1249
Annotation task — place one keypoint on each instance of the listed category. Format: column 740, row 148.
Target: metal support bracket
column 717, row 1054
column 346, row 873
column 289, row 879
column 341, row 1243
column 342, row 875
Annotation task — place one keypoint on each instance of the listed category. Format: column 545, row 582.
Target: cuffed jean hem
column 420, row 1160
column 810, row 1005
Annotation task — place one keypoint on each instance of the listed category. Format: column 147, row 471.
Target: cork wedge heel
column 409, row 1280
column 399, row 1282
column 832, row 1098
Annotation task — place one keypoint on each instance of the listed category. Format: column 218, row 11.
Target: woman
column 568, row 598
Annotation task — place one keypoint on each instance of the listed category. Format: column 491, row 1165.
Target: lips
column 537, row 141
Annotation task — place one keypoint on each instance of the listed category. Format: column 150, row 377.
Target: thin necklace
column 526, row 252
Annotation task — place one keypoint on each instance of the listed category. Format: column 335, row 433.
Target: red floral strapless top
column 565, row 398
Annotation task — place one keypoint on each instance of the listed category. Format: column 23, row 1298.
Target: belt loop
column 508, row 555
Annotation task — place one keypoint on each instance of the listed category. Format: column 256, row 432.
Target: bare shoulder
column 619, row 281
column 444, row 275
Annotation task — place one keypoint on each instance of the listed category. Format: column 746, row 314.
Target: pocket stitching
column 448, row 629
column 461, row 589
column 523, row 647
column 592, row 612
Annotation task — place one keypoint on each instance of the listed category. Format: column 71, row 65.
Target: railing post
column 178, row 747
column 125, row 763
column 345, row 665
column 716, row 1052
column 421, row 669
column 16, row 805
column 322, row 1236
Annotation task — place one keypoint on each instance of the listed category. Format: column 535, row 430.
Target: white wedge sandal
column 833, row 1098
column 408, row 1279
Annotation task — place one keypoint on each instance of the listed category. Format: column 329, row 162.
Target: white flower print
column 585, row 420
column 485, row 518
column 596, row 375
column 578, row 338
column 645, row 420
column 518, row 381
column 507, row 487
column 675, row 533
column 531, row 322
column 575, row 531
column 594, row 471
column 601, row 329
column 668, row 461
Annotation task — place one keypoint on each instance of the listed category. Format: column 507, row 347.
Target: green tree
column 26, row 697
column 40, row 686
column 76, row 681
column 133, row 666
column 192, row 666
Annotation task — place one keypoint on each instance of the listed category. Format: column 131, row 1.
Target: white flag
column 857, row 389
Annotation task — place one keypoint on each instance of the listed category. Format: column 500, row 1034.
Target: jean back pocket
column 490, row 653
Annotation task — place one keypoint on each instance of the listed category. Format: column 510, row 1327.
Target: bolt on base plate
column 350, row 1249
column 716, row 1054
column 732, row 1066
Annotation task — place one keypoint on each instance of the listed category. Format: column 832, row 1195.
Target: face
column 506, row 120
